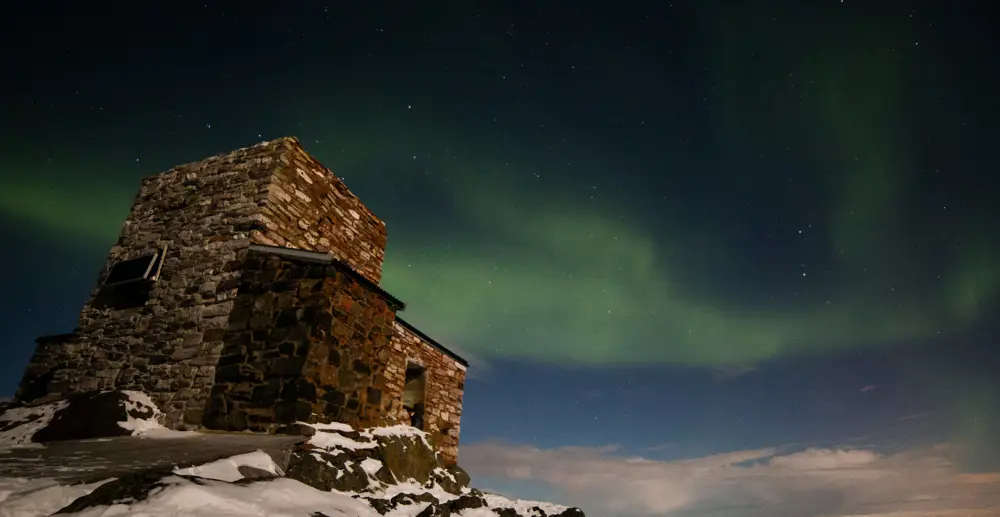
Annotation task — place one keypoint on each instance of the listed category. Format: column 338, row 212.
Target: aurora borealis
column 719, row 218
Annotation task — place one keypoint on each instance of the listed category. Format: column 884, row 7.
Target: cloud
column 765, row 482
column 870, row 387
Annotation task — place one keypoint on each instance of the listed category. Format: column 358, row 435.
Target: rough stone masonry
column 263, row 308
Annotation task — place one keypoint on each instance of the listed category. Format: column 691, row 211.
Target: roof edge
column 327, row 258
column 430, row 341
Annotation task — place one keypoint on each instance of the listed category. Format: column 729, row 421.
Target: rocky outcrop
column 328, row 469
column 80, row 417
column 340, row 458
column 373, row 463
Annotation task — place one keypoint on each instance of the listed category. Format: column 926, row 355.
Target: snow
column 327, row 436
column 278, row 497
column 401, row 431
column 214, row 493
column 216, row 496
column 328, row 441
column 475, row 512
column 521, row 506
column 138, row 401
column 227, row 469
column 29, row 497
column 444, row 473
column 333, row 426
column 371, row 466
column 34, row 418
column 412, row 487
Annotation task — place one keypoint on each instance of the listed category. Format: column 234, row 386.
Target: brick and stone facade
column 306, row 337
column 444, row 383
column 266, row 309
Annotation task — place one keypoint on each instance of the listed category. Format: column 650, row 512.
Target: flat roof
column 326, row 257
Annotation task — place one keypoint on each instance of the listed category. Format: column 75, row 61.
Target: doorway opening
column 413, row 394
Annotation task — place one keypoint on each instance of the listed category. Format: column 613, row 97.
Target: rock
column 337, row 458
column 93, row 415
column 297, row 428
column 435, row 510
column 408, row 458
column 128, row 488
column 452, row 479
column 324, row 471
column 465, row 502
column 253, row 473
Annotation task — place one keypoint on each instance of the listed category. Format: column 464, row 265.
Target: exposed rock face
column 96, row 415
column 80, row 417
column 126, row 489
column 382, row 469
column 339, row 458
column 369, row 462
column 331, row 470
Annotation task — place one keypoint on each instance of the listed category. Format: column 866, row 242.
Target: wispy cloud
column 870, row 387
column 765, row 482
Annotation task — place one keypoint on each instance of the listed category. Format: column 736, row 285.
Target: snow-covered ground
column 213, row 492
column 21, row 497
column 252, row 484
column 21, row 423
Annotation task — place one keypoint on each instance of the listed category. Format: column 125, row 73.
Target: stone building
column 243, row 294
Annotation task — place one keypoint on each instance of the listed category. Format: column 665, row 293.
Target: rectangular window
column 146, row 267
column 130, row 282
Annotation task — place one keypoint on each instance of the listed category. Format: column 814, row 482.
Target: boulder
column 452, row 479
column 95, row 415
column 407, row 457
column 126, row 489
column 251, row 474
column 327, row 471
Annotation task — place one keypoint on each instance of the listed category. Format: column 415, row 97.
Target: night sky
column 761, row 237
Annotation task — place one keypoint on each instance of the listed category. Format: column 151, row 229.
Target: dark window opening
column 144, row 268
column 130, row 282
column 413, row 394
column 123, row 296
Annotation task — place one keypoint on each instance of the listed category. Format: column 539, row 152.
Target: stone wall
column 308, row 207
column 168, row 346
column 306, row 342
column 445, row 384
column 52, row 353
column 267, row 338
